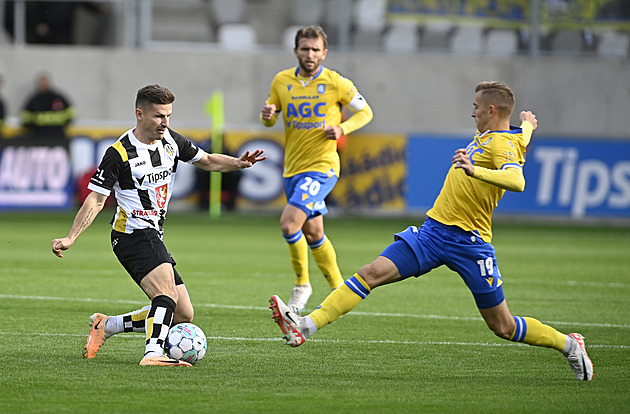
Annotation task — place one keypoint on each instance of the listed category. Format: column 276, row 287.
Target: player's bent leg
column 533, row 332
column 160, row 281
column 326, row 259
column 184, row 311
column 291, row 222
column 339, row 302
column 323, row 251
column 159, row 285
column 499, row 320
column 382, row 271
column 346, row 297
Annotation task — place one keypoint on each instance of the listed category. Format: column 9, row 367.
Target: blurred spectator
column 49, row 22
column 2, row 110
column 47, row 112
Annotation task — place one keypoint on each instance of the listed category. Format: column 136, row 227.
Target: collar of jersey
column 297, row 70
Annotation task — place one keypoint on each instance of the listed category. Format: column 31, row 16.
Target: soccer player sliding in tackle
column 457, row 233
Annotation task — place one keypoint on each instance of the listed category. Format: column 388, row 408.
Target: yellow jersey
column 468, row 202
column 308, row 105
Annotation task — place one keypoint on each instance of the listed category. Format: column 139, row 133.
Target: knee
column 370, row 275
column 313, row 237
column 286, row 228
column 289, row 227
column 503, row 331
column 188, row 316
column 172, row 293
column 183, row 314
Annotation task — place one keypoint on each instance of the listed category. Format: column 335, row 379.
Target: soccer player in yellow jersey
column 457, row 233
column 311, row 98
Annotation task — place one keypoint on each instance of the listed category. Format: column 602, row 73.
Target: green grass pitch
column 418, row 346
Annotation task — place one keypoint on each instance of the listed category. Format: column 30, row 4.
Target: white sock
column 569, row 346
column 114, row 325
column 153, row 350
column 309, row 327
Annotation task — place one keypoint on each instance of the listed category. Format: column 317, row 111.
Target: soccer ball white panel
column 186, row 342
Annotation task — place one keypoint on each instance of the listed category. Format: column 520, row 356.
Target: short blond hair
column 498, row 94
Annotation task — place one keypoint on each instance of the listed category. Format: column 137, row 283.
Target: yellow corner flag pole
column 214, row 109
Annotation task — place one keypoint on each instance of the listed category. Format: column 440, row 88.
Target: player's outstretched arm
column 227, row 163
column 92, row 205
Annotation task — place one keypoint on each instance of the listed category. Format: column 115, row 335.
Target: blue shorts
column 418, row 251
column 308, row 190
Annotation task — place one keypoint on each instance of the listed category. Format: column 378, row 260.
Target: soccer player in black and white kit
column 140, row 169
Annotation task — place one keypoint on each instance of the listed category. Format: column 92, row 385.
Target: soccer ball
column 186, row 342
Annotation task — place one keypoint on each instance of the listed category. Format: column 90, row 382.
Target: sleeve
column 350, row 97
column 510, row 178
column 528, row 130
column 273, row 99
column 508, row 156
column 107, row 172
column 188, row 152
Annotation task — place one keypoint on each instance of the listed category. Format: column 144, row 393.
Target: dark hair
column 311, row 32
column 154, row 95
column 498, row 94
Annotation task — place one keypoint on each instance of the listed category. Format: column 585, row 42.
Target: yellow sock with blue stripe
column 340, row 301
column 298, row 251
column 533, row 332
column 326, row 259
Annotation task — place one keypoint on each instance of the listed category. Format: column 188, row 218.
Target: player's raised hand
column 268, row 111
column 530, row 117
column 247, row 159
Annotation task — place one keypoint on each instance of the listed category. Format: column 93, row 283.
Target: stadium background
column 415, row 62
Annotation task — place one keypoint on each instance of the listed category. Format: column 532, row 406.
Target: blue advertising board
column 578, row 178
column 35, row 174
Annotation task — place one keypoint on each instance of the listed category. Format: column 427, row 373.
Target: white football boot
column 289, row 321
column 578, row 358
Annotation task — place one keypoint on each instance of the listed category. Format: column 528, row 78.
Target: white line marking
column 340, row 341
column 571, row 283
column 260, row 308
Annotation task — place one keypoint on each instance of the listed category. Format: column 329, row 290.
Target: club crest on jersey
column 170, row 151
column 321, row 88
column 160, row 195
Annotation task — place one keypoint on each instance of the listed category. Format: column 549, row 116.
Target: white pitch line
column 260, row 308
column 547, row 282
column 339, row 341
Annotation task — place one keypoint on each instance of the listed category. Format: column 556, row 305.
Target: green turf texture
column 418, row 346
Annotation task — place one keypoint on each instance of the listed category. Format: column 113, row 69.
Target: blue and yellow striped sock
column 340, row 301
column 326, row 259
column 298, row 251
column 533, row 332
